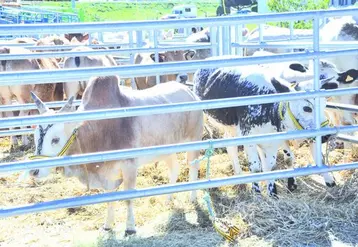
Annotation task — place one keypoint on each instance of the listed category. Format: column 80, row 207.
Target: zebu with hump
column 121, row 133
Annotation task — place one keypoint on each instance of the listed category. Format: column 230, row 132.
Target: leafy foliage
column 297, row 5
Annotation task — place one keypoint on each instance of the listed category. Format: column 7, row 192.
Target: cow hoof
column 291, row 185
column 129, row 232
column 274, row 196
column 331, row 185
column 107, row 229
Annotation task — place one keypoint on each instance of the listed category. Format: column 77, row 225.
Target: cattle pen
column 224, row 27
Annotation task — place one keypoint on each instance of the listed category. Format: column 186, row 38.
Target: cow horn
column 40, row 105
column 68, row 106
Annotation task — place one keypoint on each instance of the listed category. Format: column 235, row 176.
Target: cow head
column 348, row 77
column 81, row 37
column 299, row 114
column 50, row 139
column 175, row 56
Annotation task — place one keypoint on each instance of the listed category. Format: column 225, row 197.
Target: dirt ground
column 313, row 215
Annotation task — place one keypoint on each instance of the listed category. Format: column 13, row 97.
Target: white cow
column 253, row 80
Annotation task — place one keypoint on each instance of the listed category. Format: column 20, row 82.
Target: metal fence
column 217, row 24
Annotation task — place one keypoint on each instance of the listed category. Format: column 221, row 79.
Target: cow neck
column 65, row 148
column 286, row 106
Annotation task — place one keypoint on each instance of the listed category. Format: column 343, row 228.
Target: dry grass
column 311, row 216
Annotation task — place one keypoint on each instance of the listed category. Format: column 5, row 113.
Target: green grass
column 89, row 12
column 124, row 11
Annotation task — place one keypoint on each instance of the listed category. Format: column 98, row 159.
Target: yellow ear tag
column 349, row 78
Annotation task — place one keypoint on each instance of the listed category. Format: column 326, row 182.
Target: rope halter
column 63, row 150
column 293, row 118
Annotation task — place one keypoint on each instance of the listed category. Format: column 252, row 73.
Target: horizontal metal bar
column 347, row 138
column 346, row 107
column 15, row 29
column 55, row 47
column 98, row 52
column 54, row 75
column 32, row 106
column 167, row 149
column 295, row 44
column 16, row 132
column 169, row 108
column 170, row 188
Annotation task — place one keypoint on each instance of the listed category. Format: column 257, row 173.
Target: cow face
column 175, row 56
column 50, row 139
column 300, row 113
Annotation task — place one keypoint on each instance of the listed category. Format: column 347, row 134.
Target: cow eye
column 55, row 140
column 307, row 109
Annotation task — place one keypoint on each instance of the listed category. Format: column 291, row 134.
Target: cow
column 343, row 29
column 81, row 37
column 47, row 91
column 168, row 56
column 77, row 88
column 121, row 133
column 84, row 39
column 217, row 83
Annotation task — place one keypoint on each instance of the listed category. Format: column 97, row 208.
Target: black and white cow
column 255, row 119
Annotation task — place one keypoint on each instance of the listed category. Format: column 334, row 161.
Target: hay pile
column 311, row 216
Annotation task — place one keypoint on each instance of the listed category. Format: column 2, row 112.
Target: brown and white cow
column 47, row 92
column 77, row 88
column 121, row 133
column 168, row 56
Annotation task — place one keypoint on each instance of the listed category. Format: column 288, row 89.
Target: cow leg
column 7, row 101
column 13, row 139
column 232, row 151
column 24, row 138
column 288, row 155
column 21, row 100
column 193, row 170
column 328, row 177
column 173, row 166
column 268, row 155
column 254, row 163
column 129, row 172
column 71, row 89
column 110, row 217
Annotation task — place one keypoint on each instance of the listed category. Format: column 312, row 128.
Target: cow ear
column 280, row 87
column 85, row 37
column 189, row 54
column 348, row 76
column 161, row 57
column 298, row 67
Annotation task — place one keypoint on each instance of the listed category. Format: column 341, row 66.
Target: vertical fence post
column 225, row 38
column 317, row 86
column 291, row 33
column 139, row 44
column 131, row 55
column 213, row 41
column 238, row 39
column 219, row 46
column 155, row 39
